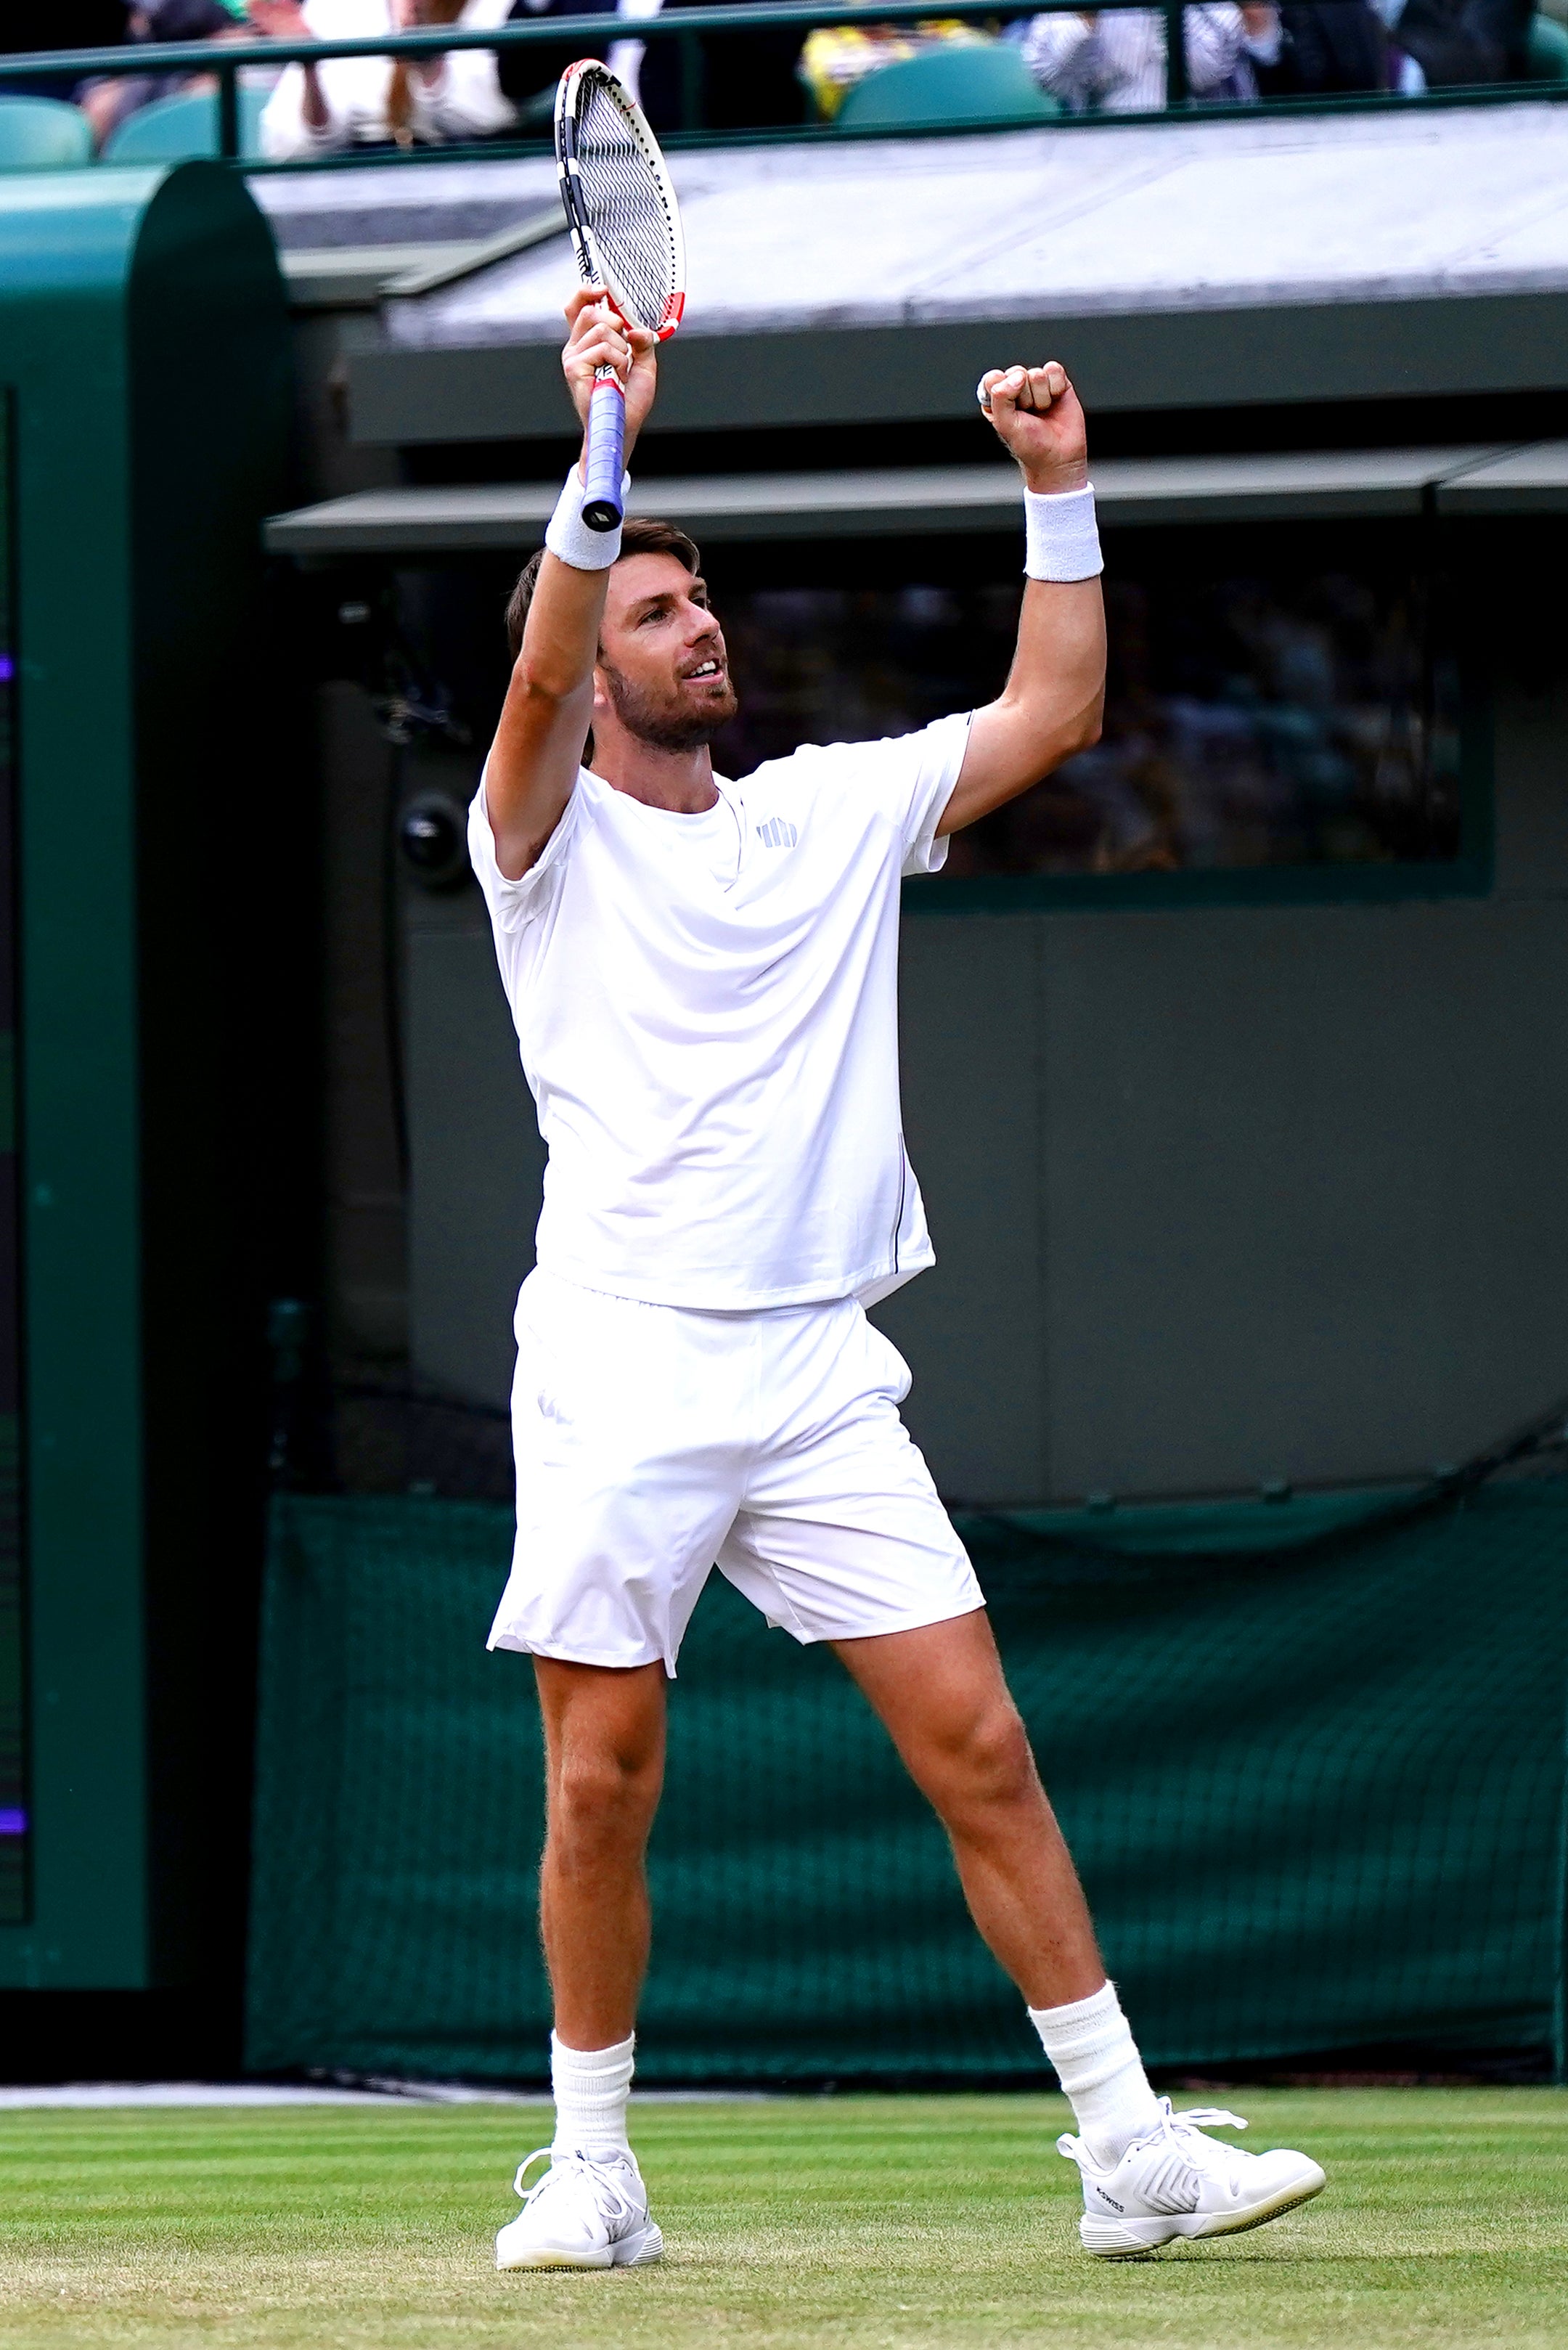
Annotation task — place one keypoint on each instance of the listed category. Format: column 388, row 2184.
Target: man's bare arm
column 1050, row 706
column 1051, row 703
column 549, row 702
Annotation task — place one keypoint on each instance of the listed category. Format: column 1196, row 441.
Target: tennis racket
column 626, row 232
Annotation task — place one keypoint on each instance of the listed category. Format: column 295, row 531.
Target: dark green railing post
column 1176, row 92
column 691, row 80
column 229, row 113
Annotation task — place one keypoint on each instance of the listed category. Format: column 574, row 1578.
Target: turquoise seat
column 960, row 82
column 174, row 127
column 1547, row 55
column 40, row 134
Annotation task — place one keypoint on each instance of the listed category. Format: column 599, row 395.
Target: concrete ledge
column 923, row 372
column 1326, row 485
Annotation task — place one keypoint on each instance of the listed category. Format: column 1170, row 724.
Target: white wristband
column 569, row 536
column 1062, row 540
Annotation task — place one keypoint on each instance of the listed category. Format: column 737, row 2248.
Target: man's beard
column 667, row 726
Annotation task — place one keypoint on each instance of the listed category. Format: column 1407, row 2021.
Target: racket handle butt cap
column 603, row 504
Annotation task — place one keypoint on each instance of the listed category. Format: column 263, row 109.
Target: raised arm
column 298, row 119
column 549, row 703
column 1051, row 703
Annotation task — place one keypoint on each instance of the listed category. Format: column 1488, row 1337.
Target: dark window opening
column 1266, row 705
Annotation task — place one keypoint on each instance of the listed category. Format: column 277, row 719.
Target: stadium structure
column 1228, row 1072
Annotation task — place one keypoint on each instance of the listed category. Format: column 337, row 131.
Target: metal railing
column 226, row 60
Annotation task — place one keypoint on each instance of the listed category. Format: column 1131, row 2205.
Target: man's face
column 662, row 660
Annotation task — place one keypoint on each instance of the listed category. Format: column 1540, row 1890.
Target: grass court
column 854, row 2221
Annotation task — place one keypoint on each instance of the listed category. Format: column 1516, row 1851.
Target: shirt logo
column 777, row 833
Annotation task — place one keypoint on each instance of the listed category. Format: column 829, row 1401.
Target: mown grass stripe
column 866, row 2223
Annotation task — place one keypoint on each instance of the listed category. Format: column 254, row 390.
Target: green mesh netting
column 12, row 1687
column 1317, row 1801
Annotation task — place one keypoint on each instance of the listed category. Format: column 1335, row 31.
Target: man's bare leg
column 1149, row 2177
column 604, row 1760
column 604, row 1755
column 941, row 1694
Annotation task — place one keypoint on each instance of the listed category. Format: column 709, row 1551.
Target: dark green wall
column 143, row 337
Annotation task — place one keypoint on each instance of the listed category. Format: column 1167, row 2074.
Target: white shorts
column 656, row 1441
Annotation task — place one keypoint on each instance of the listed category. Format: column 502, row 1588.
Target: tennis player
column 702, row 975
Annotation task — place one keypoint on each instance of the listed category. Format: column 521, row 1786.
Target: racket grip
column 607, row 444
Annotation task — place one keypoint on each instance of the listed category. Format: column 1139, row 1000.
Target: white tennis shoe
column 1173, row 2181
column 586, row 2213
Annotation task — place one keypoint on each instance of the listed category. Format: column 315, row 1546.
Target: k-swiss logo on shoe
column 777, row 833
column 1110, row 2199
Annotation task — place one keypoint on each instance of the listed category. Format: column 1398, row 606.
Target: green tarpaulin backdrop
column 1317, row 1800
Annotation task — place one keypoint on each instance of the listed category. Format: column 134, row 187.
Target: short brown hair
column 638, row 537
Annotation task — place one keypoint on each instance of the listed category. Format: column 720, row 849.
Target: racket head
column 616, row 192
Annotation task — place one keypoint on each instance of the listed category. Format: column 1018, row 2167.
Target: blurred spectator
column 835, row 57
column 372, row 101
column 108, row 100
column 1452, row 43
column 1326, row 47
column 1112, row 61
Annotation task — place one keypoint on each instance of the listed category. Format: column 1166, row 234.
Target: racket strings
column 625, row 207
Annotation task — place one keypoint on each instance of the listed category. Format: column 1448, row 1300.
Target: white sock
column 591, row 2087
column 1100, row 2070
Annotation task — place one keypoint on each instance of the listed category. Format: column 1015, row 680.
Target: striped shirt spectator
column 1112, row 61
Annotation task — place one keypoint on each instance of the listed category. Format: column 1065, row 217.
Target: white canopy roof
column 1082, row 220
column 1216, row 261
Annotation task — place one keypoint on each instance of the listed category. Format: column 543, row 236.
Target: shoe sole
column 633, row 2252
column 1139, row 2240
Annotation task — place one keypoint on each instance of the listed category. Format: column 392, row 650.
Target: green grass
column 850, row 2221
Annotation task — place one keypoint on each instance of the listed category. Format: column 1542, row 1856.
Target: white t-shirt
column 713, row 840
column 707, row 1012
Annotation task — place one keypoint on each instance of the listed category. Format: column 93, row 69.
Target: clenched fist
column 598, row 338
column 1035, row 414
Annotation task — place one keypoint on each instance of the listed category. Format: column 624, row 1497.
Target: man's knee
column 983, row 1760
column 604, row 1797
column 605, row 1755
